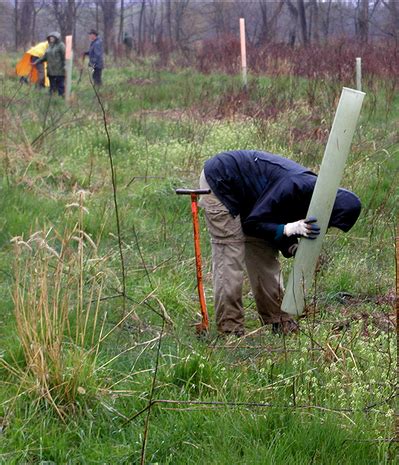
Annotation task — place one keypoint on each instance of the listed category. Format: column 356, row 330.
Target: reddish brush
column 334, row 60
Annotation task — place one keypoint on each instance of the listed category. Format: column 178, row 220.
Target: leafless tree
column 16, row 23
column 121, row 20
column 362, row 23
column 97, row 8
column 153, row 13
column 314, row 21
column 302, row 21
column 220, row 17
column 108, row 8
column 65, row 13
column 179, row 17
column 393, row 23
column 175, row 14
column 293, row 10
column 142, row 29
column 25, row 22
column 325, row 21
column 24, row 15
column 7, row 30
column 168, row 15
column 37, row 7
column 171, row 24
column 269, row 14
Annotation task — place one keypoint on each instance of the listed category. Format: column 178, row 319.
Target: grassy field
column 99, row 363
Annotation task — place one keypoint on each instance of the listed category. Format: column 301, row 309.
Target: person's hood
column 38, row 50
column 55, row 34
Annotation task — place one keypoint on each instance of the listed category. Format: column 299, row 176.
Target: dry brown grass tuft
column 57, row 293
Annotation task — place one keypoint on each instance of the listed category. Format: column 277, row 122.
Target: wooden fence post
column 243, row 53
column 68, row 67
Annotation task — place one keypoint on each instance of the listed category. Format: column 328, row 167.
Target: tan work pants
column 232, row 251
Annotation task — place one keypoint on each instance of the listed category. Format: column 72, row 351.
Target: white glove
column 304, row 228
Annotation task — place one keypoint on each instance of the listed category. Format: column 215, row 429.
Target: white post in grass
column 331, row 170
column 359, row 73
column 243, row 53
column 68, row 67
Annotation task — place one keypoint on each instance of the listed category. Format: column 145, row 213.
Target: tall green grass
column 340, row 370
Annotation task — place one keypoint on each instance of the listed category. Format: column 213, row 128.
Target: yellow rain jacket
column 24, row 67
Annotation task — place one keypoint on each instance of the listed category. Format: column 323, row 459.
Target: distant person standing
column 128, row 43
column 55, row 58
column 95, row 53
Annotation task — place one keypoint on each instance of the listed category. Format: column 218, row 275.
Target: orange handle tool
column 204, row 325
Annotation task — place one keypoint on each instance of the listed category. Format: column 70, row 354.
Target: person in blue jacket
column 257, row 207
column 96, row 56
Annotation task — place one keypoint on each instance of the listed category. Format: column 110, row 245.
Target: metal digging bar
column 194, row 193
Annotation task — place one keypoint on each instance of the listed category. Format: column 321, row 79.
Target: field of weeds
column 99, row 362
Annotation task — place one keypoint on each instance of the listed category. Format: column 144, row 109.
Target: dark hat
column 93, row 31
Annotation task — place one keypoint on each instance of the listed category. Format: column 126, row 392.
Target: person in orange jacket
column 28, row 72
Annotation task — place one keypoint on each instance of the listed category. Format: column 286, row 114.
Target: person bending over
column 257, row 207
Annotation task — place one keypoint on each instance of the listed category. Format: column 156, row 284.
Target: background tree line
column 167, row 25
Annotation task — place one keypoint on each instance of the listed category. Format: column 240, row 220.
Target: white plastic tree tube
column 322, row 202
column 358, row 73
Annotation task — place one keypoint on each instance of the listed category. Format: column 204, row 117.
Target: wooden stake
column 68, row 67
column 243, row 53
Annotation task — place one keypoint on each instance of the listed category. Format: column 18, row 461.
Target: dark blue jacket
column 268, row 191
column 96, row 54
